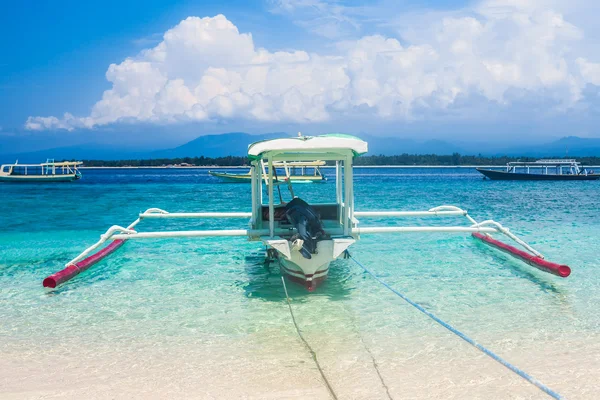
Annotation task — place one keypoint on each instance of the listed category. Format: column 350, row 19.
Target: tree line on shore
column 403, row 159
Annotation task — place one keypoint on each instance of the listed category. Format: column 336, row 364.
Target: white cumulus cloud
column 204, row 69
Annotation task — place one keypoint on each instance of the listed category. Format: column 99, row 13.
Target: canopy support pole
column 271, row 206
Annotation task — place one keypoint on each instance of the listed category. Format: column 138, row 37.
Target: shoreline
column 443, row 368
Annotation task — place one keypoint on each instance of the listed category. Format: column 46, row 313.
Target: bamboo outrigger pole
column 117, row 236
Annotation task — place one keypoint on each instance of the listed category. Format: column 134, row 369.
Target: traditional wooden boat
column 49, row 171
column 296, row 172
column 304, row 238
column 541, row 170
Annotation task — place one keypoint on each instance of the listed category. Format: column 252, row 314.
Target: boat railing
column 47, row 168
column 559, row 165
column 557, row 161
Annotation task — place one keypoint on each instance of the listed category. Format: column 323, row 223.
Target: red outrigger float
column 535, row 261
column 74, row 269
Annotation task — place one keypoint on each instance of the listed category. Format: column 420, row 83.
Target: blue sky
column 60, row 50
column 437, row 69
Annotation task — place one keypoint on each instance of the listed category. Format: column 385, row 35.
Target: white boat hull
column 308, row 271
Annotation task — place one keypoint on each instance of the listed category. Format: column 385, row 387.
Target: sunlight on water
column 199, row 312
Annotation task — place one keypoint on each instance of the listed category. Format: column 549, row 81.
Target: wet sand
column 358, row 367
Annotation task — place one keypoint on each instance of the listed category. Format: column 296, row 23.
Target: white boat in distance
column 49, row 171
column 304, row 238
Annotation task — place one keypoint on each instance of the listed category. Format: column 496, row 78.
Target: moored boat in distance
column 49, row 171
column 541, row 170
column 297, row 172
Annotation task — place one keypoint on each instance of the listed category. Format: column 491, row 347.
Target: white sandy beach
column 439, row 366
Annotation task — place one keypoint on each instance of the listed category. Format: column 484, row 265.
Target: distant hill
column 90, row 151
column 567, row 146
column 236, row 144
column 393, row 146
column 219, row 145
column 225, row 144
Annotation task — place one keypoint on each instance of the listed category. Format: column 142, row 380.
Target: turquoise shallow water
column 175, row 303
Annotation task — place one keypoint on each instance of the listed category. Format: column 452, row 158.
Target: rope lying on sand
column 310, row 349
column 464, row 337
column 373, row 361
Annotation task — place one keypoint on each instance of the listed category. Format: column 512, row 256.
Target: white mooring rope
column 464, row 337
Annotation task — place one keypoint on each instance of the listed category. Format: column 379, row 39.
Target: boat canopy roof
column 545, row 162
column 334, row 143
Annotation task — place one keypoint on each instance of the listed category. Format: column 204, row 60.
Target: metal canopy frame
column 263, row 170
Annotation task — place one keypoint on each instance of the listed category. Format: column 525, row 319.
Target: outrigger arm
column 118, row 235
